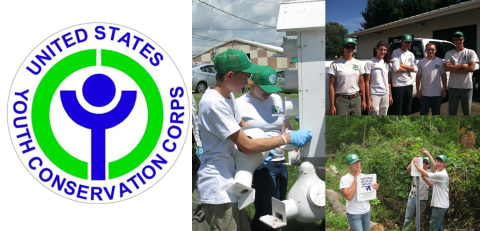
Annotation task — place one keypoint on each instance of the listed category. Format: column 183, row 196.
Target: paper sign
column 414, row 171
column 365, row 190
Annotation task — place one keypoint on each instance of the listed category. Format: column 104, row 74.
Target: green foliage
column 391, row 142
column 379, row 12
column 334, row 33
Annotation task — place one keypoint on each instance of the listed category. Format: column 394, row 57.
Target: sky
column 345, row 12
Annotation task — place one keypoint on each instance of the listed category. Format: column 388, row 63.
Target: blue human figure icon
column 98, row 90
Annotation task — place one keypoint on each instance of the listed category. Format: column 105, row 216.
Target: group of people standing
column 386, row 81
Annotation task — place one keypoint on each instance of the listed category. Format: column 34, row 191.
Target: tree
column 379, row 12
column 334, row 33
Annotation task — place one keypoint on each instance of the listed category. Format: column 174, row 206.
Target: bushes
column 386, row 148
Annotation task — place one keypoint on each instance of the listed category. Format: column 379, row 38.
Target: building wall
column 258, row 56
column 367, row 42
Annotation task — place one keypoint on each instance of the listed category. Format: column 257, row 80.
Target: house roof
column 262, row 45
column 422, row 17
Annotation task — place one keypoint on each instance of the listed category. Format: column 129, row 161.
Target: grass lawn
column 292, row 177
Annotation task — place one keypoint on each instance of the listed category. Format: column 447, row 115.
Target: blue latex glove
column 268, row 159
column 300, row 137
column 297, row 118
column 200, row 152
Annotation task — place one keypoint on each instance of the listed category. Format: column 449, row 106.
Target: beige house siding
column 367, row 42
column 258, row 55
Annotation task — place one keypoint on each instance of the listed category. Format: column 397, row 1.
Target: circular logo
column 93, row 116
column 410, row 59
column 350, row 40
column 276, row 109
column 408, row 37
column 386, row 66
column 355, row 67
column 354, row 157
column 465, row 57
column 272, row 78
column 437, row 66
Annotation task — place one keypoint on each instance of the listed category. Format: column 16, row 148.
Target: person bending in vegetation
column 358, row 212
column 424, row 185
column 440, row 201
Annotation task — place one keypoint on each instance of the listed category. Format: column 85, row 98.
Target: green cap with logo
column 235, row 60
column 348, row 40
column 266, row 80
column 458, row 33
column 352, row 158
column 407, row 38
column 443, row 158
column 426, row 158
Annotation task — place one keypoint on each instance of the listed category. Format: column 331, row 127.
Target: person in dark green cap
column 257, row 108
column 461, row 64
column 423, row 187
column 219, row 123
column 347, row 88
column 358, row 212
column 403, row 63
column 440, row 201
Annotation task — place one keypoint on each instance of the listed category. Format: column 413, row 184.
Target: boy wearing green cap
column 461, row 64
column 257, row 108
column 440, row 201
column 220, row 125
column 424, row 185
column 347, row 87
column 403, row 62
column 358, row 212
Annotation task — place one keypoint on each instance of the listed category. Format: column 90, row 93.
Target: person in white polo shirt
column 430, row 75
column 423, row 187
column 461, row 64
column 440, row 201
column 347, row 87
column 403, row 62
column 358, row 212
column 220, row 123
column 377, row 81
column 257, row 108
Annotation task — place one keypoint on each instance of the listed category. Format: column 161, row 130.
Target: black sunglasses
column 458, row 40
column 349, row 47
column 430, row 49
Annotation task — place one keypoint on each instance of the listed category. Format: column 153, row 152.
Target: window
column 417, row 49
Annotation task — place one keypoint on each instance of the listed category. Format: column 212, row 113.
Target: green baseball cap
column 235, row 60
column 352, row 158
column 266, row 80
column 348, row 40
column 407, row 38
column 458, row 33
column 426, row 158
column 443, row 158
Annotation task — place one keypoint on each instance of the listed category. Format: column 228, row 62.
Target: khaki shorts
column 226, row 217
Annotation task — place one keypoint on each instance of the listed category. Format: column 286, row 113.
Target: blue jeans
column 430, row 101
column 359, row 222
column 270, row 181
column 436, row 223
column 411, row 208
column 456, row 94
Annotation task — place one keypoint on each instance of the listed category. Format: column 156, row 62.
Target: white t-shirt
column 440, row 189
column 431, row 71
column 407, row 58
column 423, row 188
column 378, row 71
column 258, row 114
column 346, row 74
column 460, row 80
column 218, row 118
column 354, row 206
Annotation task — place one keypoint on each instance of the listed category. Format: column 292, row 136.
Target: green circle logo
column 100, row 124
